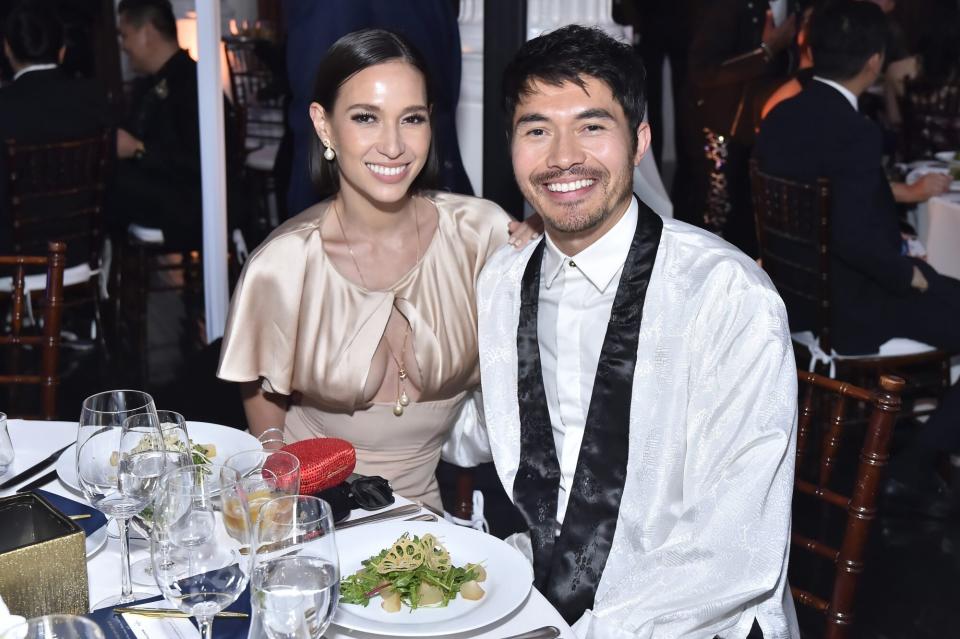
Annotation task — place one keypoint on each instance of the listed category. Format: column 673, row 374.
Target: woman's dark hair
column 348, row 56
column 34, row 33
column 567, row 55
column 844, row 35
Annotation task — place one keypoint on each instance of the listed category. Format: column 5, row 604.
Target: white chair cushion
column 146, row 234
column 37, row 282
column 895, row 347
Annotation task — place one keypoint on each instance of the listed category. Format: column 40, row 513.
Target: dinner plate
column 509, row 579
column 227, row 440
column 946, row 156
column 96, row 541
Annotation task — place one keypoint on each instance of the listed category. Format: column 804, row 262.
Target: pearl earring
column 329, row 154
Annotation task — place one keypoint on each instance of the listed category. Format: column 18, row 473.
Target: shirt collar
column 33, row 67
column 601, row 261
column 844, row 91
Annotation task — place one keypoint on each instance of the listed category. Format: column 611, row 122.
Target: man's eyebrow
column 528, row 118
column 591, row 114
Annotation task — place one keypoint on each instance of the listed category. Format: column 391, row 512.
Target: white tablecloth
column 938, row 227
column 35, row 440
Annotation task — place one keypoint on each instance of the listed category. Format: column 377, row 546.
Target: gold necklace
column 403, row 400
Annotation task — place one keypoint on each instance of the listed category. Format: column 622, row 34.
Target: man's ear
column 7, row 52
column 643, row 142
column 875, row 63
column 61, row 54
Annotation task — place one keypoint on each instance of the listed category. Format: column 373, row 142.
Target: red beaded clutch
column 324, row 462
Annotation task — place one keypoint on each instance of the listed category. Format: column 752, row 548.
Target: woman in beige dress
column 357, row 318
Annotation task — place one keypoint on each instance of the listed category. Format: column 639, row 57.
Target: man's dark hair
column 159, row 13
column 347, row 57
column 34, row 33
column 844, row 35
column 567, row 55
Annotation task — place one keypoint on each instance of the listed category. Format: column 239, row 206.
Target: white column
column 470, row 106
column 213, row 169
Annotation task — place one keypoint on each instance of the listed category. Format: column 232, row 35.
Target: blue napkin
column 115, row 626
column 70, row 507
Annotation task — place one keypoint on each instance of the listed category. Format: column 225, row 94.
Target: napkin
column 8, row 621
column 70, row 507
column 115, row 626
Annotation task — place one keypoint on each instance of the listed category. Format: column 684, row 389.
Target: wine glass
column 176, row 451
column 55, row 627
column 296, row 575
column 200, row 567
column 99, row 469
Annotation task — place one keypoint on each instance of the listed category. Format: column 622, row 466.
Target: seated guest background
column 42, row 104
column 639, row 384
column 878, row 293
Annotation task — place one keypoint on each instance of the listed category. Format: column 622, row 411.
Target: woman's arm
column 263, row 410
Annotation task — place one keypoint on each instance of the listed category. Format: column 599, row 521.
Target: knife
column 37, row 483
column 36, row 468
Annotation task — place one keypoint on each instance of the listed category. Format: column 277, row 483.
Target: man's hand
column 930, row 185
column 127, row 145
column 779, row 38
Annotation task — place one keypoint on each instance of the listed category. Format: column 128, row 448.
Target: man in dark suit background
column 42, row 104
column 878, row 292
column 158, row 145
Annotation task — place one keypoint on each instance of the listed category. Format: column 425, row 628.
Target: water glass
column 6, row 446
column 283, row 465
column 200, row 567
column 296, row 576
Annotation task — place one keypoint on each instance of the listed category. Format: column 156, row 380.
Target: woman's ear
column 318, row 115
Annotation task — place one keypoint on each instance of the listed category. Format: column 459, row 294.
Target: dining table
column 938, row 228
column 35, row 440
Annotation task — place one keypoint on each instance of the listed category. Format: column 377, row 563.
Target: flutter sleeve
column 261, row 335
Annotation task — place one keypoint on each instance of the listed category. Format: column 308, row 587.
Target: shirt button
column 573, row 264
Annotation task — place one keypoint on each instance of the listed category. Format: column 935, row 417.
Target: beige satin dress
column 306, row 331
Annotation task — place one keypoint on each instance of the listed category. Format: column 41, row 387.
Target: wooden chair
column 793, row 229
column 47, row 342
column 56, row 193
column 823, row 410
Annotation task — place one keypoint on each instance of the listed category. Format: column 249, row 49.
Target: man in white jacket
column 639, row 382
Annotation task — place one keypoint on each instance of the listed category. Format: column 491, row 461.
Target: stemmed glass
column 109, row 481
column 296, row 576
column 55, row 627
column 200, row 567
column 176, row 450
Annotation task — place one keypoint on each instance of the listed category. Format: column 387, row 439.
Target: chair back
column 56, row 194
column 793, row 232
column 255, row 92
column 821, row 431
column 16, row 335
column 931, row 118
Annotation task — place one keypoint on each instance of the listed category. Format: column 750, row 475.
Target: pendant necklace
column 403, row 400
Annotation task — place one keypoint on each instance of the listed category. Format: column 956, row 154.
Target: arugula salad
column 416, row 571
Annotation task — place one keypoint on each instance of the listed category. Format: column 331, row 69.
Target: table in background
column 35, row 440
column 938, row 227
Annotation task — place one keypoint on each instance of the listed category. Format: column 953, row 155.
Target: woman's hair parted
column 567, row 55
column 348, row 56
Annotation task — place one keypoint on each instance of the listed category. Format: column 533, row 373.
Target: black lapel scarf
column 567, row 567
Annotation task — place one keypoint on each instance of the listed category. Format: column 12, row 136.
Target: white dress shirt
column 844, row 91
column 576, row 297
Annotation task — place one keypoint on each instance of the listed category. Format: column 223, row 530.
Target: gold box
column 43, row 559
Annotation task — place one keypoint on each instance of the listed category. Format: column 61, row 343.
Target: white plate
column 509, row 578
column 96, row 541
column 946, row 156
column 919, row 172
column 228, row 441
